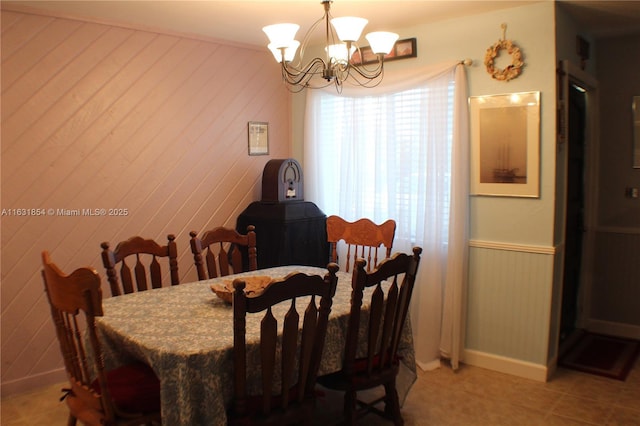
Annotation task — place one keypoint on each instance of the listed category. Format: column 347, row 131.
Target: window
column 386, row 156
column 405, row 156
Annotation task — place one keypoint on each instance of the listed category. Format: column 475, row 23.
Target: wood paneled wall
column 96, row 117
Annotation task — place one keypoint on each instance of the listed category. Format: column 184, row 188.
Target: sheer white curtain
column 401, row 151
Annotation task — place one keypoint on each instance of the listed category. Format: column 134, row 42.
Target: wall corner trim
column 496, row 245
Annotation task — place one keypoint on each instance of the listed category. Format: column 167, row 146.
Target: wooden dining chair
column 363, row 238
column 127, row 395
column 274, row 377
column 390, row 287
column 223, row 249
column 145, row 254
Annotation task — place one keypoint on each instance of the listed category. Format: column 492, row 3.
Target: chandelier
column 340, row 44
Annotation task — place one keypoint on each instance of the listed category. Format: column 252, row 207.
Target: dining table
column 185, row 333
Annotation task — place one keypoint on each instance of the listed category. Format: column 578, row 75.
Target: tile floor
column 472, row 396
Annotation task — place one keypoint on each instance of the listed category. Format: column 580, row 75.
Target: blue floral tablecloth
column 185, row 333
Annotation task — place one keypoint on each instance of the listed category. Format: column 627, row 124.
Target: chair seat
column 134, row 388
column 360, row 364
column 277, row 415
column 359, row 380
column 133, row 395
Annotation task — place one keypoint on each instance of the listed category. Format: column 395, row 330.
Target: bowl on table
column 254, row 285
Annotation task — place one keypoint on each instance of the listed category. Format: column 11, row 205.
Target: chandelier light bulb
column 281, row 35
column 289, row 52
column 381, row 42
column 338, row 52
column 349, row 28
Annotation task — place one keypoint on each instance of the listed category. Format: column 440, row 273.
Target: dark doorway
column 574, row 228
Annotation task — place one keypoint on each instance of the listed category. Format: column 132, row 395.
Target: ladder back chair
column 143, row 254
column 390, row 287
column 127, row 395
column 223, row 252
column 363, row 238
column 264, row 393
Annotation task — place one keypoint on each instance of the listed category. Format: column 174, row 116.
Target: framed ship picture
column 505, row 144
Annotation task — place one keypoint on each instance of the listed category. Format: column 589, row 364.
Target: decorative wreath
column 510, row 71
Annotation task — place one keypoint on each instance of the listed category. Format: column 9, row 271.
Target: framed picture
column 401, row 49
column 635, row 109
column 258, row 138
column 505, row 144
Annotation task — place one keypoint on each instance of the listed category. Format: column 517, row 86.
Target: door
column 574, row 202
column 577, row 132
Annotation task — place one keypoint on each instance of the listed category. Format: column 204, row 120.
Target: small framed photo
column 505, row 144
column 258, row 138
column 402, row 49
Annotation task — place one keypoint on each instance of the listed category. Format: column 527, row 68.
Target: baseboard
column 33, row 382
column 428, row 366
column 616, row 329
column 515, row 367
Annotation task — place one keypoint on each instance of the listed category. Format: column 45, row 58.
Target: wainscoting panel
column 509, row 301
column 149, row 126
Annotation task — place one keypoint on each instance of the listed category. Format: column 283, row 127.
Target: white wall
column 507, row 225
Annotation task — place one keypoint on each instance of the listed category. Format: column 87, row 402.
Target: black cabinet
column 291, row 233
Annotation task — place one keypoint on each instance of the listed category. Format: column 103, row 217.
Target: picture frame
column 635, row 111
column 505, row 144
column 258, row 132
column 402, row 49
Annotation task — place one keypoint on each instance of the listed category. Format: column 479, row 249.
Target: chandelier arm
column 297, row 77
column 318, row 86
column 370, row 82
column 367, row 73
column 376, row 65
column 300, row 85
column 363, row 79
column 313, row 65
column 307, row 36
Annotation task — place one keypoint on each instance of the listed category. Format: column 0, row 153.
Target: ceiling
column 241, row 20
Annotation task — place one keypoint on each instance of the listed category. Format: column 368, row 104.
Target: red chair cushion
column 360, row 364
column 134, row 388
